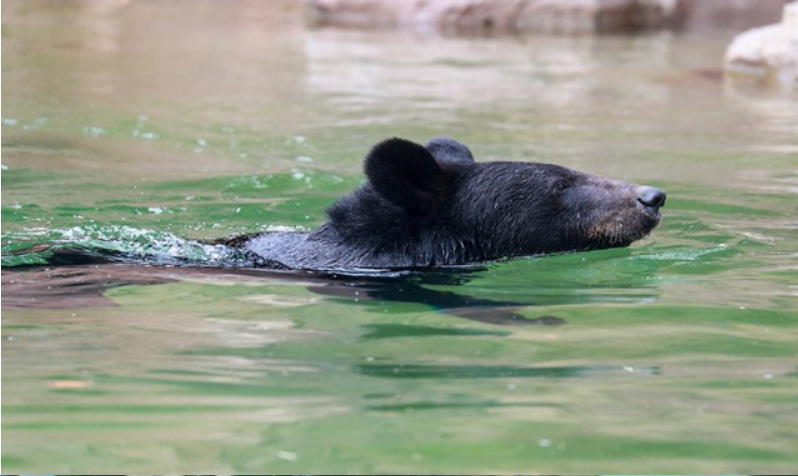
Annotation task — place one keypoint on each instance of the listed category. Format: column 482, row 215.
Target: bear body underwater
column 433, row 205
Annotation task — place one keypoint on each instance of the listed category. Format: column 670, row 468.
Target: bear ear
column 406, row 174
column 448, row 150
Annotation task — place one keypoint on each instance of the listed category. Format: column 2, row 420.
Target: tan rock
column 766, row 55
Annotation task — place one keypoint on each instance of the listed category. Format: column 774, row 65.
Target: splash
column 117, row 243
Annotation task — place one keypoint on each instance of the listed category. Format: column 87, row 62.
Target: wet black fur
column 433, row 205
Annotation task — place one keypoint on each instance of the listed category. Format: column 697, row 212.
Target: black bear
column 435, row 206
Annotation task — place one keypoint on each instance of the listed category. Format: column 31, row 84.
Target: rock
column 501, row 16
column 766, row 55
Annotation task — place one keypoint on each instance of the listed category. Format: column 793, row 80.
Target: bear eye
column 561, row 186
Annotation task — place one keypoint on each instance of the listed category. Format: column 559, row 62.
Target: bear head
column 434, row 205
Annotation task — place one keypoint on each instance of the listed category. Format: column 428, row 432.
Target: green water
column 144, row 126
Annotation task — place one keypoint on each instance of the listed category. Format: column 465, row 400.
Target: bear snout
column 651, row 199
column 651, row 196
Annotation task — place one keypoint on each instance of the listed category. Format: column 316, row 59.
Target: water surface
column 149, row 125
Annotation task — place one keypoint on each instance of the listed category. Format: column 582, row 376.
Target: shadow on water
column 412, row 287
column 78, row 279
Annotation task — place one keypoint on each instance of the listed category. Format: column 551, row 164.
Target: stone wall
column 545, row 16
column 501, row 16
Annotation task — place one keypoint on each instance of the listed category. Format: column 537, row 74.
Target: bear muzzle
column 651, row 199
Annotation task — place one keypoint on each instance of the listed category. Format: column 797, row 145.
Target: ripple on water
column 689, row 254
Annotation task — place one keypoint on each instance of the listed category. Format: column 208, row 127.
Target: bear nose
column 651, row 196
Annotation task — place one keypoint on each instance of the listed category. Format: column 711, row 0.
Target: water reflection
column 68, row 287
column 483, row 310
column 130, row 48
column 360, row 71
